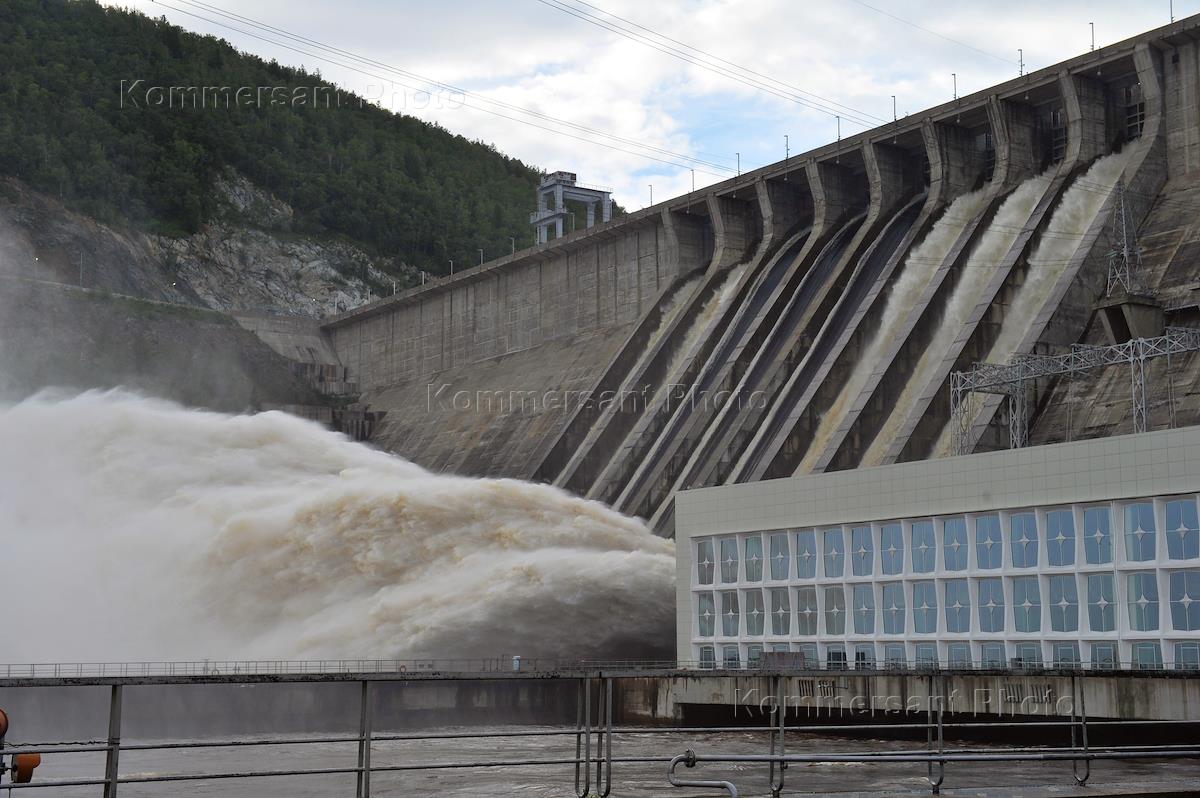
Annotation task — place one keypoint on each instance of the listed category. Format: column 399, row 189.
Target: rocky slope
column 247, row 260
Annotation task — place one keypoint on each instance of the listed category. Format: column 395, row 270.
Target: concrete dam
column 807, row 316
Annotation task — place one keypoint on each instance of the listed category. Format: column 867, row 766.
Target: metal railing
column 520, row 664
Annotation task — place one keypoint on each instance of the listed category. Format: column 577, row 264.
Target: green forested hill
column 393, row 184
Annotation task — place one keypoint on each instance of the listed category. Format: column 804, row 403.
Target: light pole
column 480, row 257
column 954, row 77
column 1020, row 62
column 739, row 163
column 1092, row 25
column 651, row 194
column 512, row 240
column 452, row 267
column 895, row 116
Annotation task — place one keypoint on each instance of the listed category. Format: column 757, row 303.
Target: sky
column 630, row 116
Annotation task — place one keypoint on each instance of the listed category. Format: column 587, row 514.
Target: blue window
column 729, row 560
column 730, row 617
column 991, row 605
column 754, row 559
column 1104, row 655
column 1139, row 532
column 781, row 611
column 1028, row 655
column 835, row 551
column 806, row 611
column 808, row 655
column 1027, row 604
column 988, row 544
column 835, row 610
column 1064, row 603
column 1185, row 601
column 893, row 608
column 806, row 554
column 1147, row 656
column 1024, row 540
column 924, row 547
column 958, row 605
column 862, row 551
column 1187, row 655
column 1143, row 602
column 894, row 655
column 704, row 562
column 891, row 549
column 991, row 655
column 730, row 658
column 864, row 609
column 954, row 544
column 706, row 614
column 780, row 556
column 1183, row 533
column 1101, row 604
column 1060, row 537
column 1097, row 535
column 1066, row 655
column 926, row 654
column 924, row 608
column 755, row 612
column 708, row 657
column 958, row 655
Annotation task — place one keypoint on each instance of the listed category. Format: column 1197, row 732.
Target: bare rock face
column 247, row 260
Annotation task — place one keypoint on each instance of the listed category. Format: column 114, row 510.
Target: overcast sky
column 531, row 55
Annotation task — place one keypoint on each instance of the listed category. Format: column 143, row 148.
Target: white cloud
column 529, row 55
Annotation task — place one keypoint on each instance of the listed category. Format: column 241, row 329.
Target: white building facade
column 1078, row 554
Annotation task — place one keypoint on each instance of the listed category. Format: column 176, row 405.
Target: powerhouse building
column 1084, row 553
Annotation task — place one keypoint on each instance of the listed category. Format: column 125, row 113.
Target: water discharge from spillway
column 919, row 267
column 981, row 266
column 137, row 529
column 1064, row 234
column 715, row 304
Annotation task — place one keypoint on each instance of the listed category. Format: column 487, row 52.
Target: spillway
column 197, row 535
column 977, row 273
column 919, row 268
column 1068, row 225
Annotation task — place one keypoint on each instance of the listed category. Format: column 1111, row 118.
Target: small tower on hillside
column 555, row 191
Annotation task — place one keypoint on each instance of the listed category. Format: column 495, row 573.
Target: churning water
column 919, row 267
column 134, row 528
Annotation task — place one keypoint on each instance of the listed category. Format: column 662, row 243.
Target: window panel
column 754, row 558
column 991, row 655
column 754, row 656
column 835, row 610
column 730, row 616
column 988, row 545
column 1139, row 532
column 1064, row 603
column 1147, row 656
column 991, row 605
column 705, row 562
column 806, row 611
column 729, row 560
column 924, row 608
column 1185, row 601
column 926, row 654
column 1066, row 655
column 864, row 609
column 864, row 657
column 893, row 608
column 958, row 655
column 1183, row 533
column 835, row 657
column 706, row 614
column 1143, row 602
column 924, row 547
column 958, row 605
column 1097, row 535
column 1028, row 655
column 894, row 655
column 1023, row 540
column 862, row 551
column 780, row 556
column 806, row 554
column 835, row 552
column 891, row 549
column 1101, row 604
column 1027, row 604
column 1060, row 537
column 730, row 658
column 756, row 615
column 808, row 655
column 708, row 657
column 954, row 544
column 1104, row 655
column 1187, row 655
column 781, row 611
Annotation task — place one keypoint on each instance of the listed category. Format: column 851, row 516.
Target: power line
column 932, row 32
column 688, row 159
column 739, row 67
column 592, row 19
